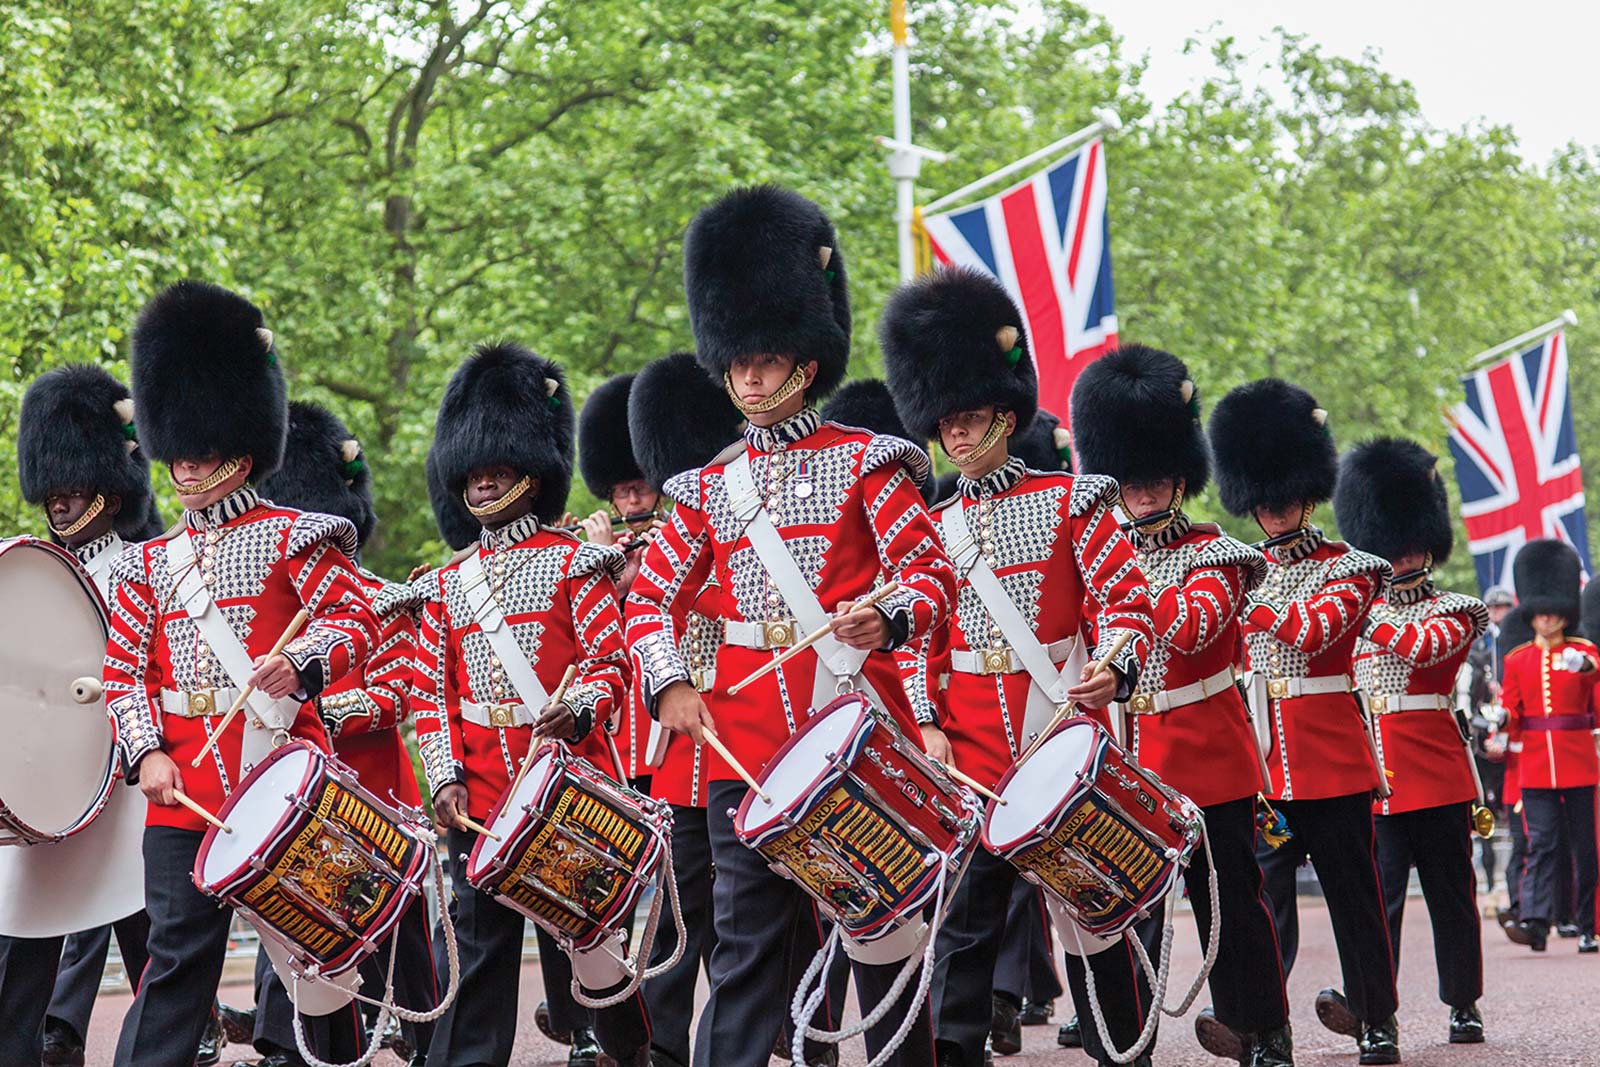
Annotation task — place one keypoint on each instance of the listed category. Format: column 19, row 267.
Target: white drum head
column 255, row 815
column 55, row 754
column 511, row 814
column 793, row 774
column 1039, row 786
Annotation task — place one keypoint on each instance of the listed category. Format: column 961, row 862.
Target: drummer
column 211, row 404
column 78, row 460
column 958, row 364
column 503, row 447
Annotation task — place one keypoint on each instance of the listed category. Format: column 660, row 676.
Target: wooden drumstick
column 738, row 768
column 284, row 638
column 183, row 798
column 1061, row 713
column 972, row 783
column 477, row 828
column 810, row 639
column 555, row 698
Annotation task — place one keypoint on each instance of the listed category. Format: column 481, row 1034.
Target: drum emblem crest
column 338, row 878
column 573, row 874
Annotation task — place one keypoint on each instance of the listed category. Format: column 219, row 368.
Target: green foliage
column 396, row 181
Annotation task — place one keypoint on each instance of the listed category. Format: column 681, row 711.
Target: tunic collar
column 1421, row 591
column 781, row 435
column 223, row 511
column 510, row 534
column 86, row 552
column 1311, row 539
column 1172, row 531
column 1003, row 477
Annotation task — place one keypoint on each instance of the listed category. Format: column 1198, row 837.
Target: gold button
column 494, row 661
column 1142, row 703
column 201, row 704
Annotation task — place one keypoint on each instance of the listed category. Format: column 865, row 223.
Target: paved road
column 1541, row 1011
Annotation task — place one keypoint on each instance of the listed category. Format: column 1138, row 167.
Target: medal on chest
column 800, row 483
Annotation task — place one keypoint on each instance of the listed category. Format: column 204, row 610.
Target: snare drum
column 860, row 819
column 315, row 859
column 576, row 849
column 1105, row 837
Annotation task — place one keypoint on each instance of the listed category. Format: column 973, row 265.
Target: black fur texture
column 605, row 448
column 1391, row 500
column 1036, row 446
column 1130, row 419
column 678, row 419
column 867, row 405
column 755, row 284
column 1547, row 574
column 1590, row 602
column 205, row 382
column 315, row 476
column 1268, row 450
column 456, row 524
column 941, row 355
column 496, row 411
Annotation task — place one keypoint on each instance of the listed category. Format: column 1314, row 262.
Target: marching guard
column 501, row 623
column 795, row 522
column 1136, row 417
column 1548, row 692
column 1275, row 462
column 1038, row 556
column 196, row 611
column 1391, row 502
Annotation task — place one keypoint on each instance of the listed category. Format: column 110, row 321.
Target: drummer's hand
column 275, row 677
column 1096, row 692
column 158, row 777
column 417, row 572
column 598, row 529
column 450, row 804
column 937, row 744
column 556, row 720
column 863, row 628
column 681, row 710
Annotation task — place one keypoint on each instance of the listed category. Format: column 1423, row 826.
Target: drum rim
column 1038, row 835
column 811, row 794
column 558, row 764
column 232, row 801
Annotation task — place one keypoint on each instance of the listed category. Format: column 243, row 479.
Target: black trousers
column 1025, row 968
column 27, row 971
column 810, row 934
column 754, row 912
column 963, row 979
column 1336, row 834
column 338, row 1036
column 1549, row 811
column 83, row 961
column 480, row 1027
column 1438, row 843
column 670, row 995
column 188, row 943
column 1517, row 862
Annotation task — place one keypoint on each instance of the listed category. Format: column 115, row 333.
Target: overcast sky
column 1528, row 63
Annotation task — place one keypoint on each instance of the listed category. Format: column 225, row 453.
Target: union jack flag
column 1048, row 242
column 1517, row 459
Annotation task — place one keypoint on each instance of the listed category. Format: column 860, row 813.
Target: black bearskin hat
column 1390, row 500
column 1136, row 417
column 678, row 419
column 75, row 431
column 1547, row 574
column 605, row 449
column 763, row 273
column 147, row 526
column 1514, row 632
column 206, row 381
column 1590, row 626
column 323, row 470
column 505, row 404
column 952, row 341
column 1044, row 446
column 456, row 524
column 1271, row 447
column 867, row 405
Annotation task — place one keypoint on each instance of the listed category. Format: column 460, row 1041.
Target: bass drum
column 74, row 858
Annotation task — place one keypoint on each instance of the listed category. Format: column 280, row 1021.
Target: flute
column 616, row 521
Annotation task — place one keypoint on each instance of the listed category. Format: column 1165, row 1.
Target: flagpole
column 1538, row 333
column 1106, row 121
column 904, row 165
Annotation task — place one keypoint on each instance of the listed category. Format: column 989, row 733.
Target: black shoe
column 1534, row 933
column 281, row 1059
column 1005, row 1027
column 1466, row 1026
column 585, row 1049
column 1219, row 1040
column 238, row 1025
column 541, row 1019
column 1272, row 1048
column 947, row 1054
column 1333, row 1011
column 1568, row 930
column 1142, row 1061
column 1587, row 944
column 1381, row 1043
column 1517, row 931
column 1036, row 1012
column 1070, row 1036
column 62, row 1047
column 211, row 1042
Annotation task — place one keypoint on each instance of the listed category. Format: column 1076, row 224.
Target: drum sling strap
column 492, row 621
column 1049, row 683
column 99, row 567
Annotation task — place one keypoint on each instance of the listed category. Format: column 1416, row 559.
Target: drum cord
column 667, row 886
column 1213, row 938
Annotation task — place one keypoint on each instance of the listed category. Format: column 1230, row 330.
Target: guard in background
column 1136, row 413
column 1548, row 693
column 1275, row 462
column 1391, row 502
column 196, row 611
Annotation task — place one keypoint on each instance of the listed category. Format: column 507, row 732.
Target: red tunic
column 264, row 564
column 1198, row 579
column 681, row 778
column 848, row 511
column 1414, row 645
column 1303, row 622
column 558, row 596
column 1053, row 542
column 1550, row 716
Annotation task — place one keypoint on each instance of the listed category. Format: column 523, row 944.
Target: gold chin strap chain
column 228, row 469
column 89, row 515
column 496, row 507
column 991, row 437
column 795, row 383
column 1421, row 576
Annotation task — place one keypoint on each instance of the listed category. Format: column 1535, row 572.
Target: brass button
column 1142, row 703
column 1277, row 688
column 996, row 661
column 778, row 634
column 500, row 716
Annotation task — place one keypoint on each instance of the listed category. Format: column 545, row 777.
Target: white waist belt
column 1003, row 660
column 780, row 633
column 1389, row 703
column 497, row 716
column 1281, row 688
column 1182, row 696
column 195, row 703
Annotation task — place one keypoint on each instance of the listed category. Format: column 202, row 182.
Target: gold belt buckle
column 502, row 715
column 777, row 634
column 997, row 661
column 202, row 702
column 1142, row 703
column 1278, row 688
